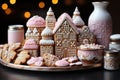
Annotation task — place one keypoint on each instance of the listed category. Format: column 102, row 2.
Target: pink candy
column 61, row 63
column 36, row 61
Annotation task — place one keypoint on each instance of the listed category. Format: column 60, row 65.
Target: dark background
column 85, row 7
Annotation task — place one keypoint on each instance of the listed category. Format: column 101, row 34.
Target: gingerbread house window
column 71, row 30
column 71, row 52
column 72, row 43
column 66, row 27
column 73, row 36
column 66, row 35
column 59, row 50
column 59, row 43
column 59, row 36
column 43, row 49
column 46, row 49
column 65, row 43
column 59, row 30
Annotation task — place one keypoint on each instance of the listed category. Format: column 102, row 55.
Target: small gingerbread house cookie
column 35, row 24
column 32, row 47
column 46, row 43
column 50, row 19
column 85, row 36
column 65, row 37
column 77, row 20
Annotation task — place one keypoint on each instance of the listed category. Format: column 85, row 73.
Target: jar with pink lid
column 15, row 33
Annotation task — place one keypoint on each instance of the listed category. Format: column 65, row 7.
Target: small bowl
column 90, row 56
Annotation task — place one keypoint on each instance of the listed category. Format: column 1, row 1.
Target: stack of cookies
column 14, row 54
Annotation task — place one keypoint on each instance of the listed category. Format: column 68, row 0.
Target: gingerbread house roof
column 30, row 44
column 50, row 12
column 77, row 20
column 36, row 21
column 57, row 26
column 47, row 32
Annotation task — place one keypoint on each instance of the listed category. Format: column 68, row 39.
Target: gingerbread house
column 35, row 25
column 86, row 36
column 47, row 42
column 65, row 37
column 50, row 19
column 32, row 47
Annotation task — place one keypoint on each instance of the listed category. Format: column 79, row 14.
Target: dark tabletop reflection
column 14, row 74
column 111, row 75
column 92, row 74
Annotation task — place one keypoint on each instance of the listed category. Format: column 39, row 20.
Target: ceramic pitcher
column 100, row 23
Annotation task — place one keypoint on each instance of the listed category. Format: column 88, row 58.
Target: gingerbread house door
column 65, row 45
column 69, row 48
column 65, row 51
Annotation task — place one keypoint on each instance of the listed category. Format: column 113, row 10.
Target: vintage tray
column 48, row 69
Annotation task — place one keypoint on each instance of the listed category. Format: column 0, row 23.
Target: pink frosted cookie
column 35, row 61
column 31, row 61
column 36, row 21
column 38, row 63
column 40, row 58
column 30, row 44
column 72, row 59
column 79, row 63
column 61, row 63
column 66, row 58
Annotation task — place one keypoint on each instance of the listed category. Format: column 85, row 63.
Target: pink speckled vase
column 100, row 23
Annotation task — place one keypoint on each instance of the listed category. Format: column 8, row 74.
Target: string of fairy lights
column 27, row 14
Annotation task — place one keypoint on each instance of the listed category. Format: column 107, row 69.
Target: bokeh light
column 8, row 11
column 27, row 14
column 55, row 1
column 12, row 1
column 4, row 6
column 41, row 4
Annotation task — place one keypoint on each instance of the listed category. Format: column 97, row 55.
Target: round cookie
column 61, row 63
